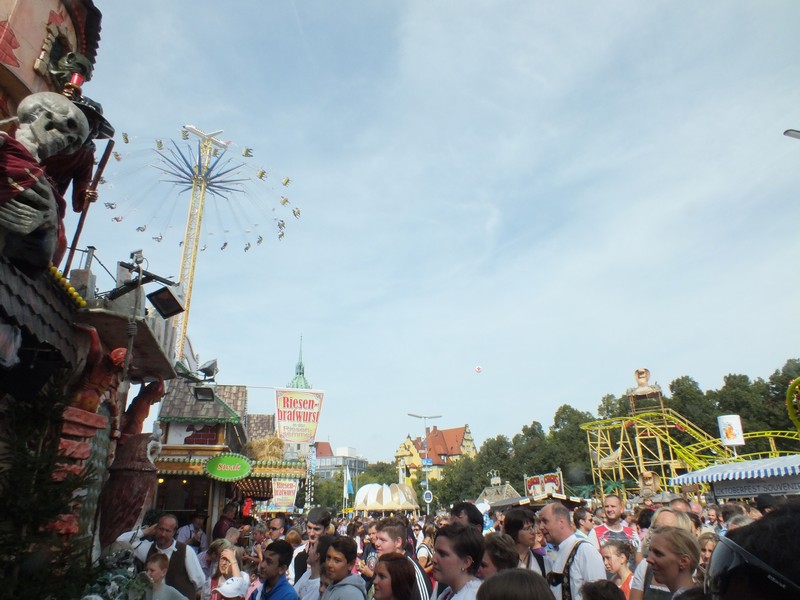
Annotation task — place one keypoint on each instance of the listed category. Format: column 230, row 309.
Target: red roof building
column 440, row 446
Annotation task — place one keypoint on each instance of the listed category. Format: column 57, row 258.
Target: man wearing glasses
column 277, row 529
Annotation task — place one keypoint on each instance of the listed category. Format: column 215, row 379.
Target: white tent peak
column 382, row 496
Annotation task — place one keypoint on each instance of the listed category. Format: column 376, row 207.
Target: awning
column 751, row 469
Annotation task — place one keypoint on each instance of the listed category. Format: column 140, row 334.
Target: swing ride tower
column 201, row 176
column 206, row 169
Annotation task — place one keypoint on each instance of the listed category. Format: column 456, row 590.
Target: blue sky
column 558, row 192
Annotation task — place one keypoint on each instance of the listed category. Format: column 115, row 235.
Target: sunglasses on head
column 729, row 556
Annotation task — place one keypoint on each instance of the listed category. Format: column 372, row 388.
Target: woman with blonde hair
column 643, row 585
column 707, row 542
column 229, row 568
column 674, row 556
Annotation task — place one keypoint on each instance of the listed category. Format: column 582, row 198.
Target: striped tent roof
column 377, row 496
column 750, row 469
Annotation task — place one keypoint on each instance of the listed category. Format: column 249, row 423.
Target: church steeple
column 300, row 382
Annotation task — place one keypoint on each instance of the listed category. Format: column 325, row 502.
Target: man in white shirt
column 573, row 560
column 185, row 575
column 193, row 534
column 582, row 519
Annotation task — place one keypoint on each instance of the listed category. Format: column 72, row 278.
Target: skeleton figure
column 31, row 211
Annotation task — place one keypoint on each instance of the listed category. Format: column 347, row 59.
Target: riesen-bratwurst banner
column 297, row 414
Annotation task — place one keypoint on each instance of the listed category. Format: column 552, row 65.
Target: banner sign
column 730, row 430
column 744, row 488
column 228, row 467
column 549, row 483
column 297, row 414
column 284, row 493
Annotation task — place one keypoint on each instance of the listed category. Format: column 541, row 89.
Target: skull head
column 50, row 124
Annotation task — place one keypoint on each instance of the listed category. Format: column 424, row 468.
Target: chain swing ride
column 213, row 174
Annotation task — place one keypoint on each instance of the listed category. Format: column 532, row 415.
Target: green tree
column 328, row 492
column 690, row 401
column 778, row 383
column 460, row 481
column 494, row 455
column 379, row 472
column 612, row 407
column 568, row 445
column 529, row 454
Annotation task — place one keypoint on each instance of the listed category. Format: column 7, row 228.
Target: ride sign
column 427, row 496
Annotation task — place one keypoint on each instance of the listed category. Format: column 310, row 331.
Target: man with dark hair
column 272, row 570
column 366, row 566
column 317, row 523
column 390, row 537
column 277, row 528
column 193, row 534
column 582, row 519
column 765, row 503
column 726, row 513
column 307, row 585
column 339, row 563
column 467, row 513
column 759, row 561
column 712, row 516
column 225, row 521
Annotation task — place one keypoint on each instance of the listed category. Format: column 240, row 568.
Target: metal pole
column 92, row 187
column 425, row 466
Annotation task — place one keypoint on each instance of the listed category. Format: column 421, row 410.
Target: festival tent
column 777, row 476
column 385, row 497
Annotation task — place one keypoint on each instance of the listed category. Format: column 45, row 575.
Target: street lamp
column 792, row 133
column 426, row 466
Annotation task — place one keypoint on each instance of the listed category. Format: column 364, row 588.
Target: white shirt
column 468, row 592
column 307, row 588
column 142, row 547
column 637, row 583
column 586, row 566
column 187, row 532
column 290, row 570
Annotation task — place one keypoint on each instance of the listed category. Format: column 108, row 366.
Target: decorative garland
column 64, row 283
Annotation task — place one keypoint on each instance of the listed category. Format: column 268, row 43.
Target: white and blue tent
column 777, row 476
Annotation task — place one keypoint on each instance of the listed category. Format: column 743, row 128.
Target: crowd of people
column 680, row 550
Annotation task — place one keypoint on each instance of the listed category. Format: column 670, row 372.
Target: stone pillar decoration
column 77, row 432
column 130, row 488
column 311, row 469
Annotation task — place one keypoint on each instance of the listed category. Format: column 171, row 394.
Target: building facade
column 204, row 425
column 439, row 447
column 329, row 462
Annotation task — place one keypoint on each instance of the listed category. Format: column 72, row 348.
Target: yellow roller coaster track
column 617, row 455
